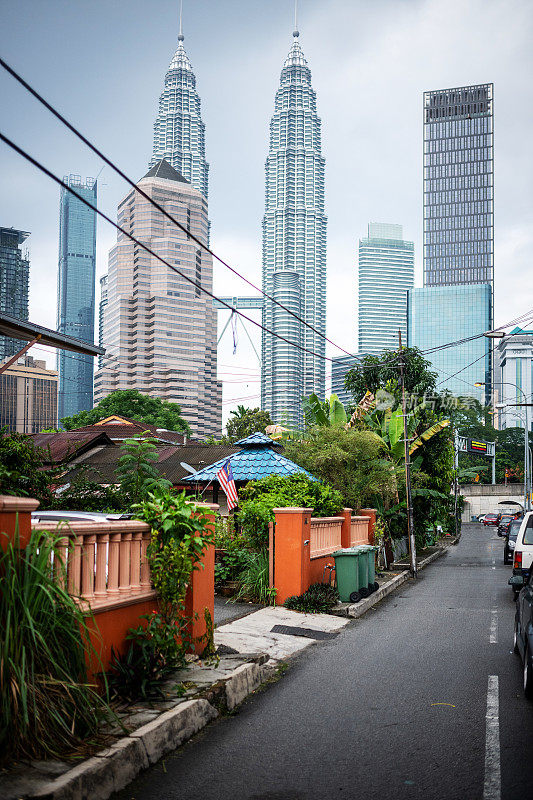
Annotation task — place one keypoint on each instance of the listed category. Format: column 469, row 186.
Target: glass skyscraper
column 14, row 283
column 179, row 132
column 386, row 273
column 458, row 186
column 294, row 246
column 76, row 293
column 340, row 365
column 441, row 314
column 458, row 235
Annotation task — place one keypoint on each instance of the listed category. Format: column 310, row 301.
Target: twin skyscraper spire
column 294, row 224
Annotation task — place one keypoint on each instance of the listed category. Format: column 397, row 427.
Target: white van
column 523, row 553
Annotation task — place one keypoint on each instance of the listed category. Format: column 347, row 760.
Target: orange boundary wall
column 111, row 623
column 292, row 570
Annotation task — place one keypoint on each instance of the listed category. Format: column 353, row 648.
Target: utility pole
column 410, row 521
column 455, row 480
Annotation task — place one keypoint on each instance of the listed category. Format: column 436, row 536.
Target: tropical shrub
column 318, row 599
column 48, row 708
column 179, row 538
column 254, row 579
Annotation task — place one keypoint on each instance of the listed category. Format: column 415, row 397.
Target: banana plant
column 388, row 427
column 333, row 415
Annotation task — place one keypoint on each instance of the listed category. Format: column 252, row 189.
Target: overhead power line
column 160, row 208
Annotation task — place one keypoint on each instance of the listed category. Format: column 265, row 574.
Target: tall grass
column 254, row 579
column 47, row 706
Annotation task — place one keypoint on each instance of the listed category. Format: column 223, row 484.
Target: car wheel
column 515, row 638
column 528, row 676
column 505, row 557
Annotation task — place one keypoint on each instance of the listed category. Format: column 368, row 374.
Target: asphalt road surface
column 420, row 698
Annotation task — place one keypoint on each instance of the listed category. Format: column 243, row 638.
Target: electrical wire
column 160, row 208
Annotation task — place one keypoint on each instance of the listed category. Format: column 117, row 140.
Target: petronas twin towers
column 294, row 246
column 294, row 225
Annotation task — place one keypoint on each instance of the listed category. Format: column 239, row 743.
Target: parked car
column 504, row 523
column 491, row 519
column 510, row 540
column 523, row 554
column 76, row 516
column 523, row 633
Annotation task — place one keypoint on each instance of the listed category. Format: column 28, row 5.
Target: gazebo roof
column 257, row 459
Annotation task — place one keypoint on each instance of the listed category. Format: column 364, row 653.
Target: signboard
column 477, row 447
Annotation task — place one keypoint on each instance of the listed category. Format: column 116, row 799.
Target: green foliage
column 179, row 538
column 47, row 706
column 86, row 494
column 382, row 371
column 298, row 490
column 136, row 471
column 134, row 405
column 254, row 517
column 331, row 413
column 349, row 461
column 21, row 467
column 155, row 651
column 254, row 579
column 229, row 567
column 318, row 599
column 245, row 421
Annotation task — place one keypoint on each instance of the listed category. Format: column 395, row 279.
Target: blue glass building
column 441, row 314
column 76, row 293
column 340, row 365
column 294, row 246
column 14, row 283
column 386, row 273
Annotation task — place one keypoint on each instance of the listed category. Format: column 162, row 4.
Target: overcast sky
column 103, row 63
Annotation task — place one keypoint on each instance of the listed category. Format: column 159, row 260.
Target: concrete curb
column 355, row 610
column 115, row 767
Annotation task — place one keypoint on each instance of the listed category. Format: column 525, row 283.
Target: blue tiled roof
column 258, row 438
column 251, row 463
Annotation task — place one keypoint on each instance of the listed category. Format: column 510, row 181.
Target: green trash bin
column 347, row 570
column 370, row 551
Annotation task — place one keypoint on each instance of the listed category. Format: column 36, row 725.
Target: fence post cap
column 291, row 510
column 13, row 503
column 212, row 506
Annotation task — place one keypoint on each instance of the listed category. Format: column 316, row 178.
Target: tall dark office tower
column 458, row 237
column 75, row 293
column 458, row 186
column 14, row 282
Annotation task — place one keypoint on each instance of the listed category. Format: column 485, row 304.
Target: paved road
column 394, row 707
column 226, row 610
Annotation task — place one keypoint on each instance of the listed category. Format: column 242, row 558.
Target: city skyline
column 356, row 191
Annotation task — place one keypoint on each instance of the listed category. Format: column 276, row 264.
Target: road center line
column 492, row 783
column 494, row 626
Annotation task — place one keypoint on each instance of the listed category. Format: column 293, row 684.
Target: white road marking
column 492, row 784
column 494, row 626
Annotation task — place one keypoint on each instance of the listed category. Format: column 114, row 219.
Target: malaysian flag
column 225, row 478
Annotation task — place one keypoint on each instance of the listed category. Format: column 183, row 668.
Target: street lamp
column 527, row 506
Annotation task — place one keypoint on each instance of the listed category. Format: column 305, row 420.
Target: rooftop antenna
column 181, row 37
column 296, row 32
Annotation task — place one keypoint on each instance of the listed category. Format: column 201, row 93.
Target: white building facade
column 514, row 379
column 294, row 247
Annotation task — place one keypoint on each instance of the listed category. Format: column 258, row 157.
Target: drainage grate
column 309, row 633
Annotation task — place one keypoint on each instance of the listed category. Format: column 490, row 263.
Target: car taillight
column 517, row 559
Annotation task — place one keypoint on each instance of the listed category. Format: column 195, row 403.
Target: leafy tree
column 136, row 471
column 329, row 413
column 134, row 405
column 383, row 372
column 350, row 461
column 245, row 421
column 22, row 468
